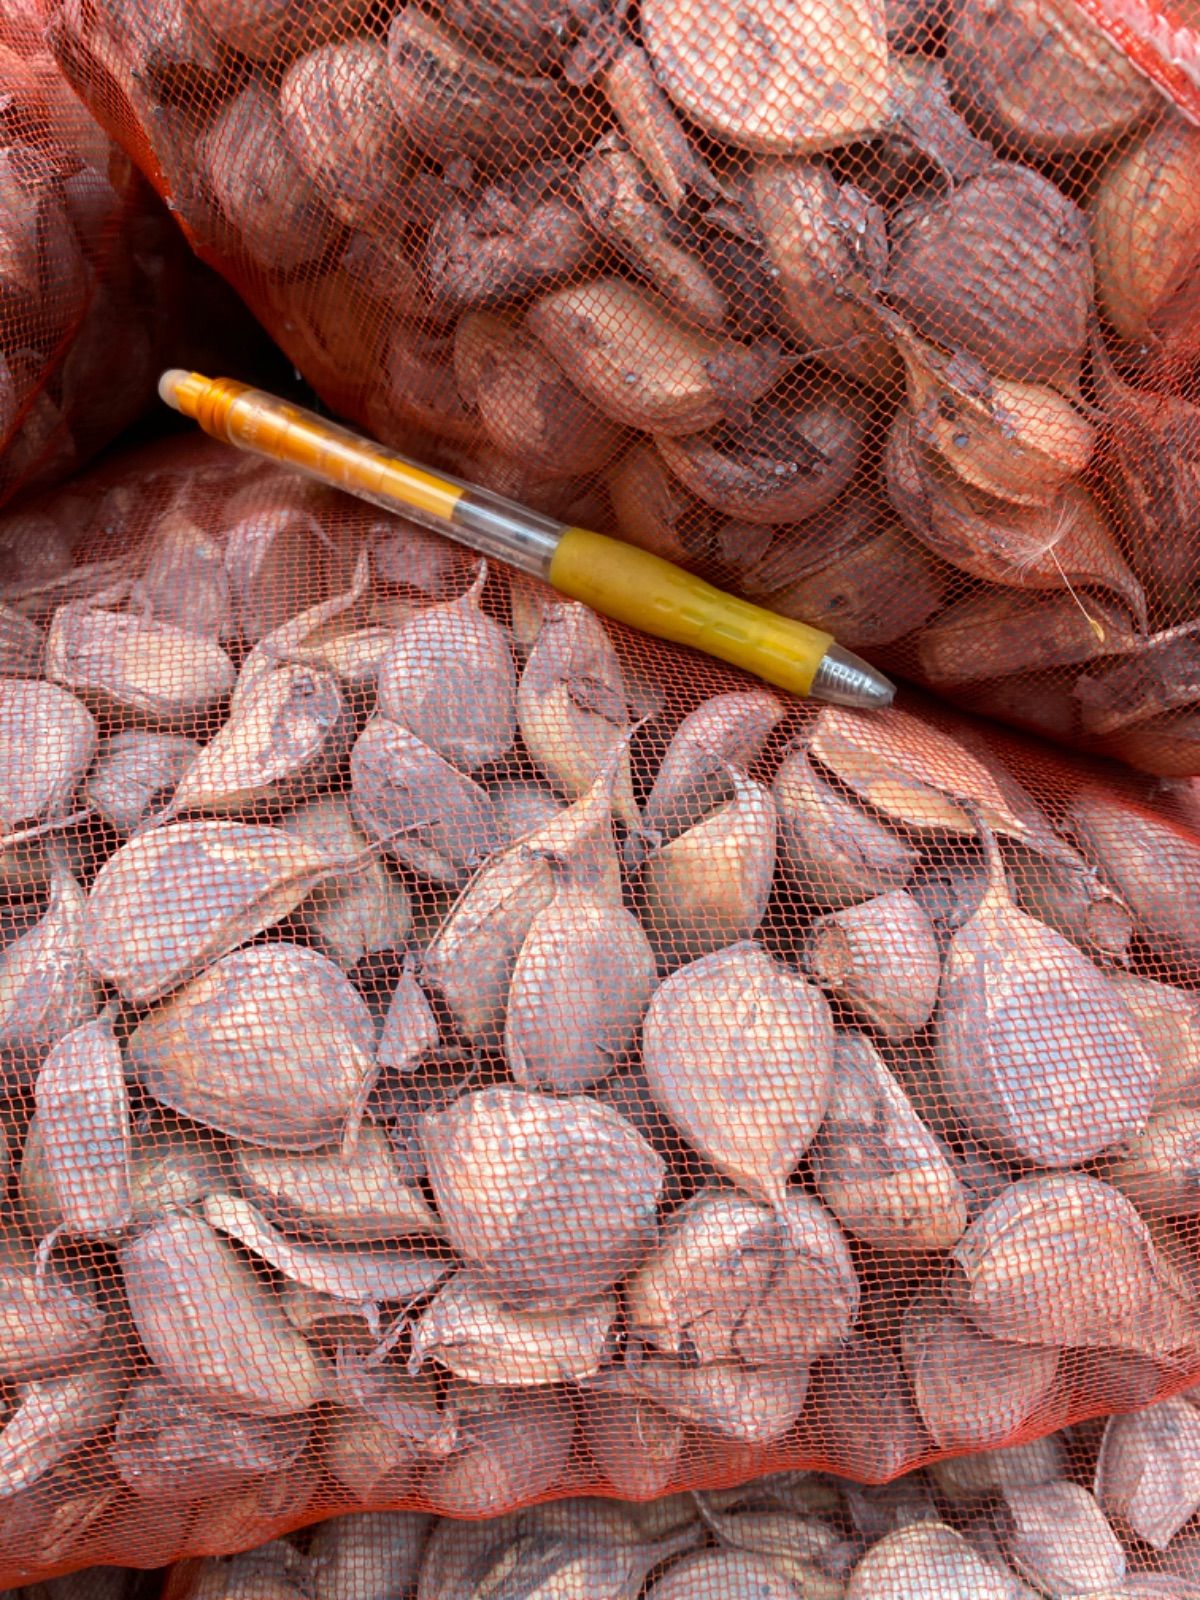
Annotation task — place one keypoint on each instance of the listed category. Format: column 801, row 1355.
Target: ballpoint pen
column 617, row 579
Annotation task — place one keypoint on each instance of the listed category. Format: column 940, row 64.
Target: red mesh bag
column 458, row 1054
column 1103, row 1511
column 881, row 314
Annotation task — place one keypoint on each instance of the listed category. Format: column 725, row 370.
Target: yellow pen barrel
column 633, row 586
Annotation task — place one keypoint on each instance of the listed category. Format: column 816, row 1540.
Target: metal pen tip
column 844, row 679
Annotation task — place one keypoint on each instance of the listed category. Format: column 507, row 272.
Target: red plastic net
column 457, row 1053
column 883, row 314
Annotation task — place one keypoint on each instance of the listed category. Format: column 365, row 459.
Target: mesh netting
column 457, row 1053
column 881, row 315
column 1106, row 1512
column 104, row 1583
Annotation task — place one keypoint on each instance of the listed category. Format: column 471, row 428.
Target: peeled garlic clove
column 47, row 741
column 709, row 886
column 1148, row 1470
column 877, row 1166
column 738, row 1051
column 1066, row 1260
column 582, row 981
column 449, row 679
column 158, row 673
column 273, row 1045
column 366, row 911
column 166, row 1446
column 1021, row 289
column 85, row 1126
column 55, row 1416
column 693, row 777
column 1057, row 1536
column 210, row 1326
column 834, row 852
column 607, row 332
column 773, row 93
column 346, row 1199
column 752, row 1405
column 551, row 1200
column 135, row 776
column 424, row 811
column 471, row 958
column 963, row 1479
column 172, row 901
column 477, row 1338
column 1169, row 1021
column 571, row 705
column 1158, row 1166
column 514, row 1446
column 634, row 1442
column 48, row 1323
column 927, row 1558
column 973, row 1392
column 45, row 987
column 1145, row 216
column 1152, row 863
column 284, row 737
column 882, row 958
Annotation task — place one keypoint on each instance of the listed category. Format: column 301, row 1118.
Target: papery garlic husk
column 784, row 460
column 368, row 1556
column 449, row 679
column 366, row 911
column 738, row 1051
column 471, row 958
column 551, row 1200
column 1000, row 268
column 1148, row 1470
column 978, row 639
column 1063, row 543
column 709, row 886
column 54, row 1416
column 154, row 672
column 1152, row 863
column 1066, row 1260
column 581, row 984
column 346, row 1199
column 731, row 1281
column 1018, row 441
column 273, row 540
column 1036, row 1051
column 962, row 1479
column 1044, row 76
column 523, row 807
column 85, row 1127
column 406, row 1405
column 878, row 1168
column 973, row 1391
column 1145, row 218
column 693, row 776
column 925, row 1559
column 471, row 1333
column 183, row 579
column 634, row 1442
column 272, row 1044
column 1169, row 1021
column 514, row 1445
column 572, row 707
column 1158, row 1166
column 46, row 989
column 371, row 1460
column 835, row 852
column 210, row 1325
column 773, row 91
column 1056, row 1535
column 425, row 812
column 168, row 1446
column 171, row 901
column 1072, row 901
column 880, row 957
column 819, row 235
column 47, row 741
column 752, row 1405
column 607, row 331
column 410, row 1029
column 135, row 776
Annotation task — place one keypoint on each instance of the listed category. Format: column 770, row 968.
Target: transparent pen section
column 496, row 527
